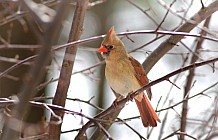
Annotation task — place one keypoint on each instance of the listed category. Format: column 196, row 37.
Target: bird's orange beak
column 102, row 49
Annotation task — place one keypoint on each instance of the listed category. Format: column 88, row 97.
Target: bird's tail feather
column 147, row 113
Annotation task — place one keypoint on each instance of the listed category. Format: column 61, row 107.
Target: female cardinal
column 124, row 74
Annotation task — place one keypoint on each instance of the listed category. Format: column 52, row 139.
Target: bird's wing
column 140, row 74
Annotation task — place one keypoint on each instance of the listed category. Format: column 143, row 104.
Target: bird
column 124, row 74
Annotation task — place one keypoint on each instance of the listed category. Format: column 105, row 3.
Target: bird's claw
column 114, row 104
column 129, row 96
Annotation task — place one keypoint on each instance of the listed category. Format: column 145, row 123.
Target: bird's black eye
column 111, row 47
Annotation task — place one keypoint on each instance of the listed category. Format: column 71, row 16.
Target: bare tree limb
column 67, row 65
column 190, row 80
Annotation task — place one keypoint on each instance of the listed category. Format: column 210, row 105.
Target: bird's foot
column 114, row 104
column 129, row 96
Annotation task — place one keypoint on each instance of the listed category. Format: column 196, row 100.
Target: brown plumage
column 124, row 74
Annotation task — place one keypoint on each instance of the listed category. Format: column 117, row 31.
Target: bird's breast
column 120, row 76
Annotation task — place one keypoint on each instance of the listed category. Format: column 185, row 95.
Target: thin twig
column 137, row 133
column 59, row 119
column 87, row 102
column 144, row 11
column 165, row 16
column 185, row 134
column 200, row 93
column 168, row 44
column 170, row 135
column 103, row 130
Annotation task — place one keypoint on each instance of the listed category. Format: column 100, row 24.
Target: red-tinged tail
column 147, row 113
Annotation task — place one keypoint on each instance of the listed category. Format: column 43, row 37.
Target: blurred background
column 90, row 85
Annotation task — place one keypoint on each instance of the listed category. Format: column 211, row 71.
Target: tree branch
column 189, row 81
column 67, row 65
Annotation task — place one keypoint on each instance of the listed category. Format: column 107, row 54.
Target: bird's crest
column 110, row 37
column 111, row 31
